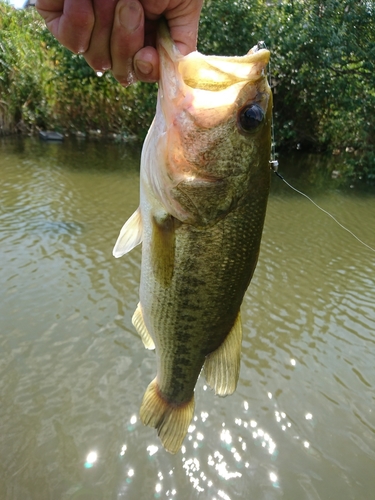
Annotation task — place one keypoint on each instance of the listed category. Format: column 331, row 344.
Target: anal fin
column 222, row 367
column 140, row 326
column 171, row 421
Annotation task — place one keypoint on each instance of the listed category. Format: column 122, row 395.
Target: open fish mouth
column 198, row 83
column 212, row 73
column 216, row 73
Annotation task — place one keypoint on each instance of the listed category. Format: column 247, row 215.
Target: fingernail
column 144, row 67
column 131, row 16
column 127, row 80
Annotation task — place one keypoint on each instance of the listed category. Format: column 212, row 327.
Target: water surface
column 73, row 371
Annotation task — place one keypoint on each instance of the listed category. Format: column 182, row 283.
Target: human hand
column 120, row 35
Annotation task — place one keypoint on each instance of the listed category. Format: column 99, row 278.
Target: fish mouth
column 213, row 73
column 216, row 73
column 197, row 83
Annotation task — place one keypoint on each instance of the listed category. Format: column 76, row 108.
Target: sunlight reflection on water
column 73, row 370
column 228, row 462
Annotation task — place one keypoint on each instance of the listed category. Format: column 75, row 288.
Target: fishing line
column 274, row 164
column 322, row 209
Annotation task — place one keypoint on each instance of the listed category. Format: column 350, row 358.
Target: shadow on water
column 73, row 370
column 75, row 154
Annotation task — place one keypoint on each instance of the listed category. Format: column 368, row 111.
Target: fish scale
column 204, row 186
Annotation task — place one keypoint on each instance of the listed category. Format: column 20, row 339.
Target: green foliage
column 322, row 73
column 22, row 67
column 45, row 85
column 322, row 69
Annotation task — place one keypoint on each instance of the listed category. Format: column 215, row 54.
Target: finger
column 146, row 64
column 70, row 22
column 183, row 19
column 184, row 37
column 183, row 23
column 127, row 39
column 98, row 54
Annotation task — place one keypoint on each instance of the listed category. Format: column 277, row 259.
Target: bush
column 322, row 69
column 322, row 74
column 44, row 85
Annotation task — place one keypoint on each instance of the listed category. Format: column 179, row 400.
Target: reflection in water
column 73, row 371
column 91, row 458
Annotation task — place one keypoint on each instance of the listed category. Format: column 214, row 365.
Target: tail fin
column 171, row 421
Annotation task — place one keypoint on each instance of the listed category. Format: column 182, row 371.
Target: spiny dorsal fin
column 140, row 326
column 130, row 235
column 222, row 367
column 171, row 421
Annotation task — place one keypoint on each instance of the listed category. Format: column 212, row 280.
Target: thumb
column 183, row 26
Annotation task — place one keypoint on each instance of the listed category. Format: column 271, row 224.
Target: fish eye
column 250, row 117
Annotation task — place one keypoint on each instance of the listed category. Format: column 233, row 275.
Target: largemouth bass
column 204, row 186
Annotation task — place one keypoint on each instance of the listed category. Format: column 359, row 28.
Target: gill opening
column 274, row 165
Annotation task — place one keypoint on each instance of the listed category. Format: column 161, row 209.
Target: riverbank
column 58, row 136
column 324, row 100
column 43, row 86
column 5, row 120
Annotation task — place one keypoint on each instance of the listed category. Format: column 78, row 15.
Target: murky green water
column 73, row 371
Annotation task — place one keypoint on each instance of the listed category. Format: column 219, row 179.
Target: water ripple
column 73, row 370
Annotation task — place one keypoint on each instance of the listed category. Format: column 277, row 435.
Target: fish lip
column 164, row 39
column 248, row 68
column 176, row 69
column 171, row 84
column 253, row 56
column 191, row 83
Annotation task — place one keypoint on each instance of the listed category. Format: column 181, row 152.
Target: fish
column 204, row 185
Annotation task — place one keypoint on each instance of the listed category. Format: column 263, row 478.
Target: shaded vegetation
column 43, row 85
column 322, row 72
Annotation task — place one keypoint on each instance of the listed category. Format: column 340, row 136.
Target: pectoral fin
column 140, row 326
column 130, row 235
column 171, row 421
column 163, row 247
column 222, row 367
